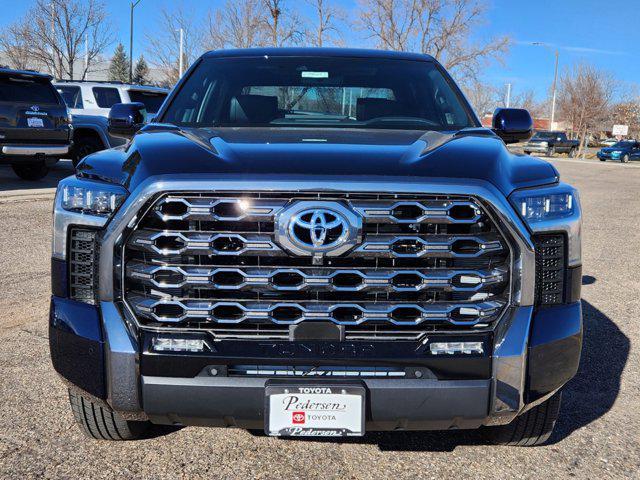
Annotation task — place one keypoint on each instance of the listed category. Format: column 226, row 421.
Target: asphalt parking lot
column 597, row 435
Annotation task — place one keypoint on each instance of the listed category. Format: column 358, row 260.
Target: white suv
column 97, row 98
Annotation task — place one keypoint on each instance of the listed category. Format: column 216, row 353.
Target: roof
column 100, row 83
column 24, row 73
column 318, row 52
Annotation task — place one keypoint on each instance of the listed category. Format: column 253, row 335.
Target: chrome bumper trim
column 30, row 150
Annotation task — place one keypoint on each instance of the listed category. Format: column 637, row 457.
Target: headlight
column 554, row 209
column 92, row 198
column 84, row 203
column 544, row 204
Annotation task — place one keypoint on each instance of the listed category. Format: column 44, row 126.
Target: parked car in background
column 550, row 143
column 97, row 98
column 90, row 134
column 35, row 125
column 90, row 103
column 623, row 151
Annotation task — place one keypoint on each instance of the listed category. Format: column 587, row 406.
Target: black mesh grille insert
column 83, row 280
column 550, row 268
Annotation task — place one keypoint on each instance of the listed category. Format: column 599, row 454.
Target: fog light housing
column 455, row 348
column 168, row 344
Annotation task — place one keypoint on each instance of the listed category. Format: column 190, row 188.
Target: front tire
column 572, row 153
column 625, row 159
column 31, row 171
column 551, row 151
column 101, row 423
column 532, row 428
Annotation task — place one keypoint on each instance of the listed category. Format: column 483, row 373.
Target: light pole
column 555, row 82
column 508, row 103
column 134, row 4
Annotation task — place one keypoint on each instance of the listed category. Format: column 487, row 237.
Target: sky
column 606, row 34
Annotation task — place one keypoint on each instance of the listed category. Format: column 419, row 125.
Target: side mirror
column 125, row 119
column 512, row 124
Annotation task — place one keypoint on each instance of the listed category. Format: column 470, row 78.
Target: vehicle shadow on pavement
column 593, row 391
column 10, row 181
column 586, row 398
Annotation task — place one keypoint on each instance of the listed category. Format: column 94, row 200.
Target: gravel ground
column 597, row 435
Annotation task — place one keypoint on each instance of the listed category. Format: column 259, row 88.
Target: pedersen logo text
column 298, row 418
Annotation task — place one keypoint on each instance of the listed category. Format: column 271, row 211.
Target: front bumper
column 535, row 148
column 534, row 354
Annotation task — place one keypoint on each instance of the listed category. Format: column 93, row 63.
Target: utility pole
column 86, row 56
column 134, row 4
column 554, row 87
column 508, row 95
column 553, row 95
column 181, row 52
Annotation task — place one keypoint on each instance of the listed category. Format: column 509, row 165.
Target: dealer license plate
column 314, row 410
column 35, row 122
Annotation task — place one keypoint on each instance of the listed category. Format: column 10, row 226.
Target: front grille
column 214, row 262
column 83, row 280
column 309, row 371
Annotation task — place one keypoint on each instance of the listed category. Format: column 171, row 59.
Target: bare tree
column 14, row 48
column 441, row 28
column 483, row 97
column 584, row 99
column 324, row 29
column 163, row 45
column 282, row 25
column 627, row 113
column 53, row 35
column 239, row 24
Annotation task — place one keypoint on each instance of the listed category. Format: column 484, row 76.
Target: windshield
column 318, row 92
column 624, row 145
column 152, row 100
column 545, row 135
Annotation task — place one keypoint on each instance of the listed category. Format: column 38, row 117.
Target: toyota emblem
column 318, row 228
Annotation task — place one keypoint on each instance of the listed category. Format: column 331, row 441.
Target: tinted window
column 545, row 135
column 319, row 92
column 106, row 97
column 151, row 100
column 72, row 96
column 15, row 89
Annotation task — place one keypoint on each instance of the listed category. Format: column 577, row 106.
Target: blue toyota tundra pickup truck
column 316, row 242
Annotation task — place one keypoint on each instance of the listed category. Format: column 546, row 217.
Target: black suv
column 317, row 242
column 35, row 128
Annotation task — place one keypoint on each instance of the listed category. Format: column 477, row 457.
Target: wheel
column 625, row 158
column 551, row 151
column 31, row 171
column 527, row 153
column 572, row 153
column 84, row 146
column 102, row 423
column 603, row 159
column 534, row 427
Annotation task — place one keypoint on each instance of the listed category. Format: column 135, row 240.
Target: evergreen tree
column 119, row 67
column 141, row 72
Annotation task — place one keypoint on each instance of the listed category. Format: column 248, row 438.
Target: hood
column 356, row 153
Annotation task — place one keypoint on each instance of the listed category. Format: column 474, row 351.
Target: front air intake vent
column 550, row 269
column 83, row 281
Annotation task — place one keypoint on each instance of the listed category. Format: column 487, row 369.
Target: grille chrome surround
column 190, row 295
